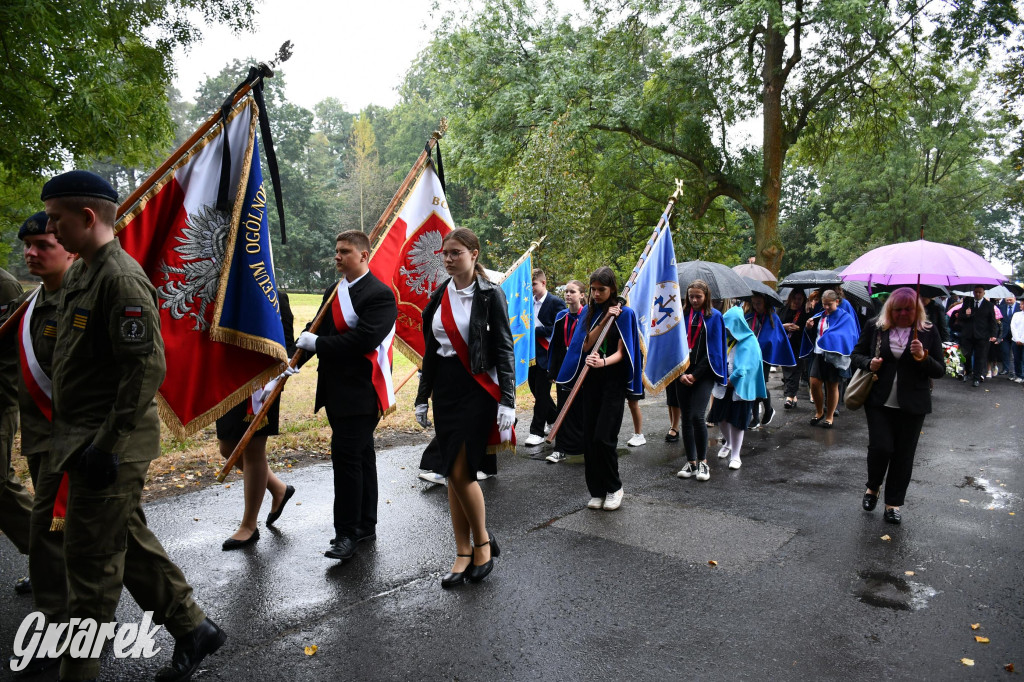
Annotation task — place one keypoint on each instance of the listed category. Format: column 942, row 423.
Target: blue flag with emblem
column 518, row 288
column 658, row 303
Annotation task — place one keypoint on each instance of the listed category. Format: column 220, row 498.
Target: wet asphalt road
column 805, row 588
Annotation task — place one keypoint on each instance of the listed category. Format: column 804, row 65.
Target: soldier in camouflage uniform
column 108, row 365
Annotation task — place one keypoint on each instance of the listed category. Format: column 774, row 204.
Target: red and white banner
column 211, row 269
column 345, row 318
column 408, row 257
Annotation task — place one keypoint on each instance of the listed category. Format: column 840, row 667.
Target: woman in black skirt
column 469, row 371
column 256, row 475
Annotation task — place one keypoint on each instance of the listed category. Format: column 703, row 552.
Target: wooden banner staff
column 266, row 70
column 519, row 261
column 608, row 321
column 315, row 325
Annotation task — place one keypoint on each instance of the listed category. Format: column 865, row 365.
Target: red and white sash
column 40, row 387
column 345, row 318
column 455, row 322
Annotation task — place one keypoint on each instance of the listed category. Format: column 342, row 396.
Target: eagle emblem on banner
column 426, row 265
column 192, row 286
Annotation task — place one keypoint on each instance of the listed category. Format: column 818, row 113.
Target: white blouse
column 457, row 297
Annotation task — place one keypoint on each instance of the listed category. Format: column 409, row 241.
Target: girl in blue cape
column 775, row 349
column 829, row 338
column 615, row 368
column 569, row 439
column 732, row 405
column 688, row 396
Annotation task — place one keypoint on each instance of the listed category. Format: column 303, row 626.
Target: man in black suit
column 545, row 307
column 1008, row 308
column 365, row 311
column 978, row 328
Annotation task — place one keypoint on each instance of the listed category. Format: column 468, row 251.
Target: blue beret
column 33, row 226
column 78, row 183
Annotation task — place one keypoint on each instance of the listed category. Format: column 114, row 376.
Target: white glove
column 506, row 417
column 265, row 393
column 307, row 342
column 289, row 371
column 421, row 416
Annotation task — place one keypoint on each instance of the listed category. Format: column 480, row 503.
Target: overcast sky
column 357, row 52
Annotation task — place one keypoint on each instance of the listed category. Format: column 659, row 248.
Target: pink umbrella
column 922, row 262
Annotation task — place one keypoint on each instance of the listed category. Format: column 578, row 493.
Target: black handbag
column 859, row 388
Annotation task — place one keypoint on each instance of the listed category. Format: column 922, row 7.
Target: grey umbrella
column 811, row 278
column 723, row 282
column 759, row 287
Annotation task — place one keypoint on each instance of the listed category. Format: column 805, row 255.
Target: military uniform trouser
column 106, row 545
column 46, row 546
column 15, row 501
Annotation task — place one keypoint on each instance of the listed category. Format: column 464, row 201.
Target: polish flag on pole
column 213, row 270
column 407, row 257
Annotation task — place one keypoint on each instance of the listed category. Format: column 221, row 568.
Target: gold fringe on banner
column 57, row 525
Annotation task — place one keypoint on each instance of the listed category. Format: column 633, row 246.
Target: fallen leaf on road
column 310, row 650
column 908, row 573
column 967, row 661
column 1008, row 667
column 179, row 486
column 975, row 626
column 981, row 640
column 965, row 501
column 228, row 485
column 886, row 538
column 990, row 507
column 712, row 562
column 1013, row 513
column 297, row 504
column 195, row 518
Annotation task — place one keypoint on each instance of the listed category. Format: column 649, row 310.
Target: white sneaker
column 734, row 463
column 613, row 501
column 595, row 503
column 703, row 471
column 772, row 369
column 724, row 452
column 689, row 469
column 534, row 439
column 481, row 476
column 556, row 457
column 636, row 441
column 431, row 477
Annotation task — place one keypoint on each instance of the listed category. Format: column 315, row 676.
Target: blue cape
column 775, row 347
column 840, row 337
column 848, row 307
column 630, row 333
column 718, row 353
column 747, row 376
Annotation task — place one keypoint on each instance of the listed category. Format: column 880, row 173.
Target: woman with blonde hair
column 904, row 351
column 469, row 371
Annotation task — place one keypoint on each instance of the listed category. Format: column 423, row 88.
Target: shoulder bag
column 863, row 380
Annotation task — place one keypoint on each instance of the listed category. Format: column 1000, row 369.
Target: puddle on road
column 1000, row 497
column 888, row 591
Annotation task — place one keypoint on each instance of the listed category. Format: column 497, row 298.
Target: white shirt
column 460, row 297
column 344, row 280
column 536, row 306
column 899, row 341
column 1017, row 327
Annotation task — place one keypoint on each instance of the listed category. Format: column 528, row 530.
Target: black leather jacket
column 490, row 340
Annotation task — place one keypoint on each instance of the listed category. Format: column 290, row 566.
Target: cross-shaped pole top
column 679, row 188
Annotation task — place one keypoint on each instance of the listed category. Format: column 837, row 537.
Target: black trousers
column 355, row 473
column 976, row 356
column 604, row 401
column 569, row 438
column 791, row 378
column 544, row 411
column 693, row 406
column 767, row 402
column 892, row 442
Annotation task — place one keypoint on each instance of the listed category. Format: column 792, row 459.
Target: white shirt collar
column 353, row 282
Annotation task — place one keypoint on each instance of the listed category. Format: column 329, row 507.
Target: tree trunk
column 766, row 219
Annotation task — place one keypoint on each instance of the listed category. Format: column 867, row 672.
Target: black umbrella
column 759, row 287
column 856, row 291
column 723, row 282
column 1017, row 289
column 811, row 278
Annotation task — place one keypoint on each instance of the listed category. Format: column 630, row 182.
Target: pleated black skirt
column 464, row 414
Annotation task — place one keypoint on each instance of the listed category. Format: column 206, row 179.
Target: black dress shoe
column 671, row 437
column 366, row 535
column 23, row 585
column 232, row 543
column 892, row 516
column 190, row 650
column 869, row 502
column 275, row 515
column 451, row 579
column 341, row 549
column 478, row 573
column 975, row 383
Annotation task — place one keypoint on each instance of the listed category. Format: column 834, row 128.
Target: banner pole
column 608, row 321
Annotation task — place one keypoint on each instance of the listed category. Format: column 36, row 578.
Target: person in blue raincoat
column 829, row 338
column 775, row 350
column 615, row 370
column 733, row 403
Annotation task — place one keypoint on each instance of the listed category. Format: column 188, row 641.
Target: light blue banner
column 518, row 288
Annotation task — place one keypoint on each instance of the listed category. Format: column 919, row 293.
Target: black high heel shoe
column 452, row 579
column 478, row 573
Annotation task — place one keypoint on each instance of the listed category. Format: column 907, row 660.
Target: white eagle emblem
column 202, row 250
column 426, row 269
